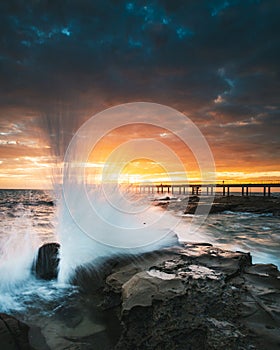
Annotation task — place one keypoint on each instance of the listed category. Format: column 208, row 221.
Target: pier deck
column 209, row 189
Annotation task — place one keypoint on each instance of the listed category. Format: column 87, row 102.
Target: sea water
column 29, row 219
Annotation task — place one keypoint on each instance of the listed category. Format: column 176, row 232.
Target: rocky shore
column 252, row 204
column 195, row 296
column 190, row 296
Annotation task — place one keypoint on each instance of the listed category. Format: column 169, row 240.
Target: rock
column 69, row 315
column 167, row 198
column 91, row 277
column 194, row 297
column 261, row 304
column 174, row 305
column 162, row 204
column 190, row 296
column 13, row 334
column 215, row 208
column 96, row 341
column 252, row 204
column 193, row 199
column 47, row 260
column 37, row 339
column 265, row 270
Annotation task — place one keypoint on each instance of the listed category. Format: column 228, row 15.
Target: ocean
column 258, row 234
column 29, row 219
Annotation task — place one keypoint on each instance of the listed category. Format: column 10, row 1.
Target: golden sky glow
column 141, row 170
column 29, row 162
column 144, row 170
column 30, row 173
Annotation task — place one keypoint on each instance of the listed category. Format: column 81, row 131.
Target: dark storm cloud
column 218, row 61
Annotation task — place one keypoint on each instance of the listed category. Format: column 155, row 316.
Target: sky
column 61, row 62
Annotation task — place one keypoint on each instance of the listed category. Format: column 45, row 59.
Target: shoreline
column 193, row 295
column 250, row 204
column 247, row 223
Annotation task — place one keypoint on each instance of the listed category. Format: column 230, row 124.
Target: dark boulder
column 13, row 334
column 46, row 263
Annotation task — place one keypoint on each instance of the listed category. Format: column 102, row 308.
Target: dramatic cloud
column 216, row 61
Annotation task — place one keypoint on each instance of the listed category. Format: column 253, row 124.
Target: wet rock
column 194, row 297
column 194, row 199
column 215, row 208
column 91, row 277
column 157, row 311
column 37, row 339
column 261, row 304
column 47, row 260
column 162, row 204
column 167, row 198
column 96, row 341
column 191, row 208
column 13, row 334
column 70, row 315
column 190, row 296
column 254, row 204
column 265, row 270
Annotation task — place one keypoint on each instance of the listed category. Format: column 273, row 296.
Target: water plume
column 17, row 252
column 89, row 235
column 95, row 219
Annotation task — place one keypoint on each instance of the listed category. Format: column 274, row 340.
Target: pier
column 207, row 189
